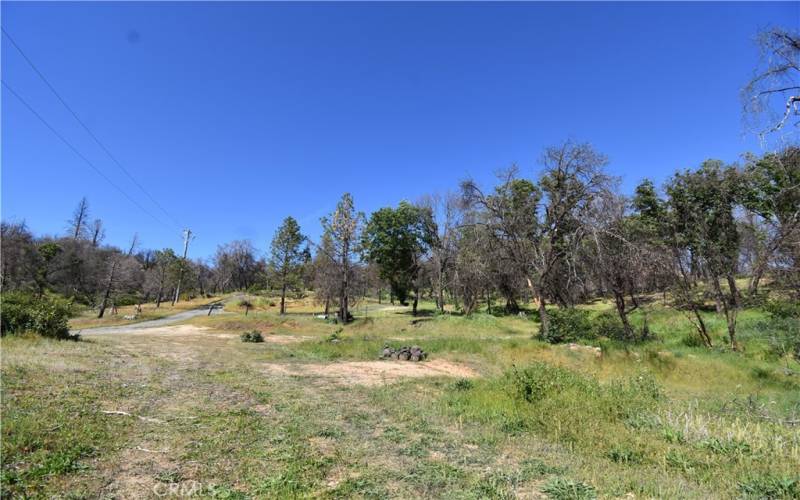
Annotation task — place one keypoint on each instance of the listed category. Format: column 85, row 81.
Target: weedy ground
column 193, row 410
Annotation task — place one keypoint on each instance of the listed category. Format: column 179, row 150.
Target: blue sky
column 234, row 116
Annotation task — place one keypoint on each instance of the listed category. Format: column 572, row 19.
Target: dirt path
column 370, row 373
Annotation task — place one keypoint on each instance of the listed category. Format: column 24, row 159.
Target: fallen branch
column 150, row 451
column 126, row 414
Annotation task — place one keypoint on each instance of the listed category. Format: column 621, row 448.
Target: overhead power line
column 86, row 128
column 80, row 155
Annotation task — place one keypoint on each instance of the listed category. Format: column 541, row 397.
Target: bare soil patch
column 371, row 373
column 193, row 331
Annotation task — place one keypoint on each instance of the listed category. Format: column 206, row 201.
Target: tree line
column 561, row 238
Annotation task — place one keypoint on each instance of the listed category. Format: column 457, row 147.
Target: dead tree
column 116, row 261
column 773, row 94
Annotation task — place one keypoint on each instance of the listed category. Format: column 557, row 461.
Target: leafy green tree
column 396, row 239
column 287, row 256
column 47, row 253
column 166, row 265
column 704, row 229
column 771, row 191
column 537, row 227
column 326, row 279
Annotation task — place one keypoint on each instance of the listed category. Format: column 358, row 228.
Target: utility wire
column 80, row 155
column 86, row 128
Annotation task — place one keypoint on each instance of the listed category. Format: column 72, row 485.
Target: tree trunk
column 416, row 301
column 441, row 298
column 758, row 273
column 729, row 311
column 619, row 302
column 107, row 293
column 543, row 317
column 160, row 291
column 734, row 290
column 701, row 326
column 283, row 298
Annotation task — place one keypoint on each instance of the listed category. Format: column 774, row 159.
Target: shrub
column 783, row 309
column 618, row 400
column 783, row 335
column 568, row 325
column 254, row 336
column 126, row 299
column 335, row 336
column 726, row 446
column 609, row 325
column 44, row 315
column 246, row 304
column 463, row 384
column 692, row 340
column 622, row 455
column 539, row 380
column 771, row 487
column 560, row 488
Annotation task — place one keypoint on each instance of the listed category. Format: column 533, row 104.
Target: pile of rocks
column 405, row 353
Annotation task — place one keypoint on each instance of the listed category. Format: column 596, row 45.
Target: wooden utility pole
column 187, row 234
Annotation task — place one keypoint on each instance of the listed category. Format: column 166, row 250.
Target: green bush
column 623, row 455
column 126, row 299
column 617, row 400
column 463, row 384
column 783, row 309
column 254, row 336
column 771, row 487
column 609, row 325
column 568, row 325
column 783, row 335
column 539, row 380
column 560, row 488
column 692, row 340
column 47, row 316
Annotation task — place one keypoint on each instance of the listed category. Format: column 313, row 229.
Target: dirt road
column 153, row 323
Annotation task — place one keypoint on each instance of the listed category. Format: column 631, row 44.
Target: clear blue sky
column 234, row 116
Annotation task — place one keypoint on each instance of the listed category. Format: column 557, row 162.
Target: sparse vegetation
column 253, row 336
column 654, row 418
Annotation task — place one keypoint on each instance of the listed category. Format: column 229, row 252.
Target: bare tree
column 237, row 265
column 98, row 232
column 445, row 211
column 115, row 262
column 773, row 94
column 78, row 225
column 618, row 256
